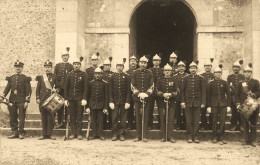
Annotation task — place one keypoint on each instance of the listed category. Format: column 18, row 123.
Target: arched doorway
column 163, row 26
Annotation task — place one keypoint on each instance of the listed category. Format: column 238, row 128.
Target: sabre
column 89, row 123
column 143, row 102
column 167, row 108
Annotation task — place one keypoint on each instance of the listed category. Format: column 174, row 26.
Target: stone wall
column 27, row 33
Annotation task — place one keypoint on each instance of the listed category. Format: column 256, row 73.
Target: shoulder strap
column 46, row 81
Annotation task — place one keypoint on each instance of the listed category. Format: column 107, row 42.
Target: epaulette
column 104, row 81
column 176, row 74
column 7, row 78
column 200, row 76
column 37, row 78
column 92, row 80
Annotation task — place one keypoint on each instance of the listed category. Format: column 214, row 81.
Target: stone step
column 37, row 124
column 152, row 134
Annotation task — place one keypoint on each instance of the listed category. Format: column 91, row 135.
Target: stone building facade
column 34, row 31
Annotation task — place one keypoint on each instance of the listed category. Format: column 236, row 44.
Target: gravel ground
column 48, row 152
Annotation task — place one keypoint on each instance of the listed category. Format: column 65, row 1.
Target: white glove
column 141, row 95
column 88, row 111
column 209, row 110
column 202, row 106
column 183, row 106
column 127, row 105
column 83, row 102
column 38, row 101
column 112, row 106
column 66, row 103
column 238, row 106
column 228, row 109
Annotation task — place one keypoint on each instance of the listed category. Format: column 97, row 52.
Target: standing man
column 142, row 85
column 249, row 87
column 219, row 101
column 208, row 77
column 157, row 74
column 119, row 100
column 130, row 115
column 193, row 97
column 233, row 81
column 167, row 90
column 20, row 88
column 45, row 86
column 178, row 111
column 173, row 61
column 75, row 92
column 61, row 70
column 91, row 69
column 107, row 73
column 98, row 103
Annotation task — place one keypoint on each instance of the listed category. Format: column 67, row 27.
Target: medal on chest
column 170, row 84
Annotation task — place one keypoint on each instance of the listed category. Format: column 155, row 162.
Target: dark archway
column 163, row 26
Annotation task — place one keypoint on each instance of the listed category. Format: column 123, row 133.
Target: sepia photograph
column 129, row 82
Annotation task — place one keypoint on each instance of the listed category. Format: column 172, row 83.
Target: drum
column 248, row 107
column 53, row 103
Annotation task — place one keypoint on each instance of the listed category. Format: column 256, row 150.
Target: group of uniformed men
column 113, row 98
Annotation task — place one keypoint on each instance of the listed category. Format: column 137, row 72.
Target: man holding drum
column 248, row 88
column 44, row 88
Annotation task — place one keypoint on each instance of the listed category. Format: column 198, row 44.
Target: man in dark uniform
column 75, row 93
column 20, row 88
column 167, row 89
column 119, row 100
column 178, row 111
column 91, row 69
column 173, row 61
column 157, row 74
column 45, row 86
column 233, row 81
column 208, row 77
column 142, row 85
column 61, row 71
column 193, row 97
column 219, row 101
column 107, row 73
column 249, row 87
column 130, row 114
column 97, row 104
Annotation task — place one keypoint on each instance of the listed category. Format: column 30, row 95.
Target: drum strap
column 47, row 82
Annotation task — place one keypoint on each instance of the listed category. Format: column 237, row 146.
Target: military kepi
column 47, row 63
column 18, row 63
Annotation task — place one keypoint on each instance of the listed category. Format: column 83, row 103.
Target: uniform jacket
column 166, row 85
column 193, row 91
column 142, row 81
column 157, row 74
column 179, row 79
column 119, row 88
column 218, row 93
column 98, row 97
column 253, row 86
column 42, row 92
column 76, row 86
column 61, row 70
column 20, row 88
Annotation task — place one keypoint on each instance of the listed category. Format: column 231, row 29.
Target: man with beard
column 249, row 87
column 233, row 81
column 208, row 77
column 173, row 61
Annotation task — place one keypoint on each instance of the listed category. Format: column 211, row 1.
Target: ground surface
column 48, row 152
